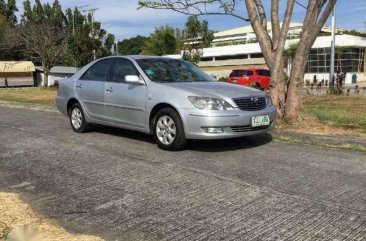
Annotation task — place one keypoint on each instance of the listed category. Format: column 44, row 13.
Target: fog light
column 213, row 130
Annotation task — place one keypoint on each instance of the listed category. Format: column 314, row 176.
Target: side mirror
column 133, row 79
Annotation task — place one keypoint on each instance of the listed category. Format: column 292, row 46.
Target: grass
column 346, row 112
column 345, row 146
column 42, row 96
column 15, row 212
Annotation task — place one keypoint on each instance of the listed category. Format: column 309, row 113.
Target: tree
column 132, row 46
column 9, row 42
column 38, row 12
column 272, row 45
column 196, row 36
column 45, row 44
column 162, row 42
column 10, row 12
column 27, row 15
column 2, row 7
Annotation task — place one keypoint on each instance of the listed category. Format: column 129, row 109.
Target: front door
column 90, row 88
column 125, row 103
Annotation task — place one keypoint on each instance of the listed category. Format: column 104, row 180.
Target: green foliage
column 290, row 52
column 228, row 43
column 354, row 33
column 2, row 7
column 339, row 50
column 162, row 42
column 132, row 46
column 196, row 36
column 10, row 12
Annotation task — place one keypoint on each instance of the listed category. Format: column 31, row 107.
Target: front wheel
column 169, row 131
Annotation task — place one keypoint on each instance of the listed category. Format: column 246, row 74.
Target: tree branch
column 275, row 21
column 196, row 8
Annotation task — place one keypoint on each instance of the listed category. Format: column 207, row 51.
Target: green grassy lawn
column 32, row 95
column 348, row 112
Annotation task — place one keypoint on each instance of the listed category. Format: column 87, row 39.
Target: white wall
column 55, row 77
column 17, row 81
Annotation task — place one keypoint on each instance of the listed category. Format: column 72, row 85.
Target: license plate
column 260, row 121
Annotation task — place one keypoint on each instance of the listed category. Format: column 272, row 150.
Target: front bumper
column 235, row 123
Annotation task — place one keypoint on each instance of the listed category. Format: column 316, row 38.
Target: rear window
column 239, row 73
column 263, row 72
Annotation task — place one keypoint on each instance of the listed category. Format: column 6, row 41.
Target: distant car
column 171, row 99
column 255, row 77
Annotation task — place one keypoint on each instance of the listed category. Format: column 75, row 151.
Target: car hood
column 216, row 89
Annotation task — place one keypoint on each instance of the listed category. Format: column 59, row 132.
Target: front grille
column 250, row 103
column 248, row 128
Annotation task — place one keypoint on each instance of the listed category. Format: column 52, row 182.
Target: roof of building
column 249, row 29
column 16, row 66
column 63, row 70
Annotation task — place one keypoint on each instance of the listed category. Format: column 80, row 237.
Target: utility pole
column 91, row 11
column 73, row 17
column 332, row 49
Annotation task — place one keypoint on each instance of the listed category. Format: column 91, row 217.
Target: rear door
column 90, row 88
column 264, row 77
column 125, row 102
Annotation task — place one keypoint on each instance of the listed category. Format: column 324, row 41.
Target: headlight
column 207, row 103
column 268, row 100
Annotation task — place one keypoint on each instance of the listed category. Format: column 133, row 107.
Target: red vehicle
column 255, row 77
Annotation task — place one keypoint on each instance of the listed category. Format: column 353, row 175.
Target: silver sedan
column 171, row 99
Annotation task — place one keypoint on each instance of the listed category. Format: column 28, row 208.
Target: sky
column 121, row 17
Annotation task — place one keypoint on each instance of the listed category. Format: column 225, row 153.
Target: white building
column 239, row 48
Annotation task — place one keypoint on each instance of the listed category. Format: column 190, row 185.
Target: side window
column 99, row 71
column 249, row 73
column 122, row 68
column 263, row 72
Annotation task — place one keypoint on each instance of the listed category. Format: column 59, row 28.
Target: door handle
column 78, row 86
column 110, row 90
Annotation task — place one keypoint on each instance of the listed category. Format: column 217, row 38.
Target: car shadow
column 194, row 145
column 124, row 133
column 230, row 144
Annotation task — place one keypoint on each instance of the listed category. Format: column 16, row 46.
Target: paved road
column 118, row 185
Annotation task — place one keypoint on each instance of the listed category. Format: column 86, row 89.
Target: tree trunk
column 294, row 93
column 278, row 90
column 45, row 77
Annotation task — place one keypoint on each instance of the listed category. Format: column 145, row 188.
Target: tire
column 168, row 130
column 77, row 119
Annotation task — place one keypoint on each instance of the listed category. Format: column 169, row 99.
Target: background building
column 58, row 73
column 17, row 73
column 239, row 48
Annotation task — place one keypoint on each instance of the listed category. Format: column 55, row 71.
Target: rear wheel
column 77, row 119
column 168, row 130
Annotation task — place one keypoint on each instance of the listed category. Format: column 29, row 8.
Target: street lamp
column 73, row 17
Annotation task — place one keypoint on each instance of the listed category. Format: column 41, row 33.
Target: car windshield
column 172, row 70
